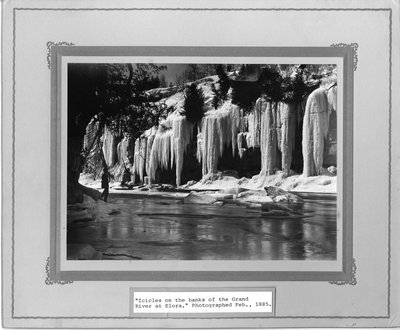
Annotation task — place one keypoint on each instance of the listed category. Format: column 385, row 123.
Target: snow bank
column 295, row 182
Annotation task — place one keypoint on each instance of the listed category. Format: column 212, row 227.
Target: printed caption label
column 203, row 302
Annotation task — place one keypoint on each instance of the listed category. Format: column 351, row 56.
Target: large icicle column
column 109, row 147
column 254, row 122
column 169, row 146
column 151, row 134
column 218, row 130
column 139, row 159
column 125, row 151
column 143, row 145
column 288, row 128
column 315, row 130
column 269, row 141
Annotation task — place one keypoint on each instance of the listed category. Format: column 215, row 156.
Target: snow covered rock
column 279, row 194
column 196, row 198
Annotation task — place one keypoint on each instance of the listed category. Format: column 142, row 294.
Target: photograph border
column 345, row 52
column 9, row 245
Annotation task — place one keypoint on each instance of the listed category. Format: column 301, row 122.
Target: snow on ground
column 230, row 184
column 296, row 183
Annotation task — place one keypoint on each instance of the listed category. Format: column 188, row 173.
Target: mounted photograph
column 202, row 161
column 200, row 164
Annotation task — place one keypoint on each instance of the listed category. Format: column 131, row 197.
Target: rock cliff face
column 259, row 142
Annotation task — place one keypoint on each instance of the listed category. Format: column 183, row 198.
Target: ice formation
column 288, row 128
column 109, row 147
column 169, row 145
column 123, row 149
column 254, row 123
column 218, row 130
column 242, row 142
column 332, row 100
column 270, row 126
column 90, row 135
column 151, row 134
column 141, row 156
column 315, row 130
column 269, row 140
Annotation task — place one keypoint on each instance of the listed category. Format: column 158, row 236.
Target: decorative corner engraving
column 352, row 280
column 51, row 44
column 48, row 281
column 353, row 45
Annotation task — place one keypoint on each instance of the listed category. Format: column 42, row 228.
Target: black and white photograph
column 200, row 164
column 178, row 161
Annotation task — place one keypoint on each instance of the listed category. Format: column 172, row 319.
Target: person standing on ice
column 104, row 184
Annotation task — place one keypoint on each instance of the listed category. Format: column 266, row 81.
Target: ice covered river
column 155, row 228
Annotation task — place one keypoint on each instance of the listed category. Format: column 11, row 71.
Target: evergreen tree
column 271, row 84
column 224, row 83
column 245, row 94
column 194, row 103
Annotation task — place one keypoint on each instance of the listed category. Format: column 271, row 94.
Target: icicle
column 268, row 146
column 288, row 120
column 142, row 157
column 136, row 157
column 279, row 108
column 248, row 139
column 199, row 151
column 218, row 131
column 182, row 131
column 169, row 146
column 235, row 127
column 109, row 147
column 91, row 133
column 315, row 130
column 241, row 138
column 255, row 122
column 123, row 150
column 211, row 148
column 332, row 98
column 160, row 151
column 150, row 139
column 332, row 101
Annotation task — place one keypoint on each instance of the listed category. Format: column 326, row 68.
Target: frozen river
column 154, row 228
